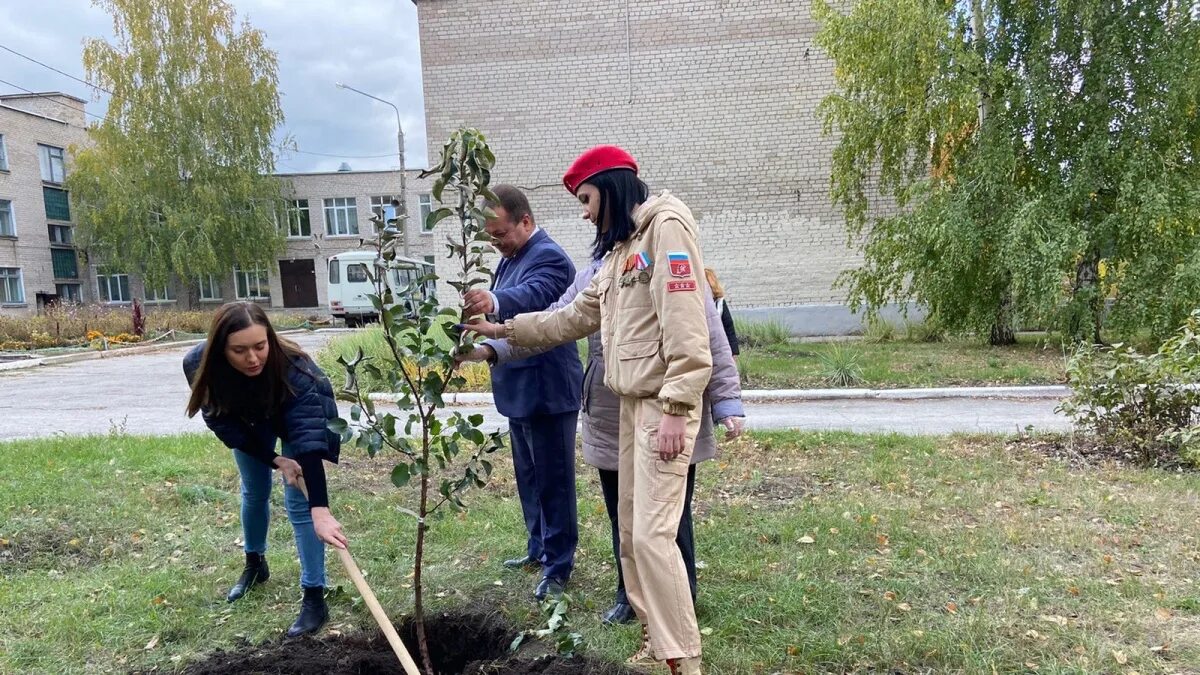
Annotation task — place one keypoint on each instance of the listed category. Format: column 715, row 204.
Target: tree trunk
column 1085, row 294
column 980, row 38
column 418, row 559
column 1003, row 332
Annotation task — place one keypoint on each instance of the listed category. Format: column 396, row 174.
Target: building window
column 341, row 216
column 113, row 287
column 61, row 234
column 54, row 168
column 55, row 200
column 426, row 204
column 12, row 291
column 3, row 154
column 68, row 293
column 209, row 288
column 296, row 215
column 382, row 207
column 160, row 294
column 251, row 284
column 64, row 262
column 8, row 222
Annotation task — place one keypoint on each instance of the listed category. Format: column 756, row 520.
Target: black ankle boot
column 313, row 612
column 256, row 572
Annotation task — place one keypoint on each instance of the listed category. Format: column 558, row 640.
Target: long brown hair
column 718, row 291
column 214, row 385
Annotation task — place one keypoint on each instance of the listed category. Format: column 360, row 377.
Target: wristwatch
column 676, row 408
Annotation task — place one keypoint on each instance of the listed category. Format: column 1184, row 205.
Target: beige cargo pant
column 650, row 503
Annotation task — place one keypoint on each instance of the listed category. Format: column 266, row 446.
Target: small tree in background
column 1042, row 158
column 423, row 340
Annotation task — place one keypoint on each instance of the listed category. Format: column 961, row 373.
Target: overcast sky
column 370, row 45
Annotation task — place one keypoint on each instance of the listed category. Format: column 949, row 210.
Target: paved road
column 145, row 394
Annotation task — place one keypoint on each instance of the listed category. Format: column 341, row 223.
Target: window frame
column 297, row 219
column 380, row 208
column 44, row 153
column 263, row 283
column 349, row 208
column 3, row 154
column 12, row 219
column 5, row 278
column 105, row 297
column 214, row 286
column 78, row 291
column 51, row 228
column 167, row 290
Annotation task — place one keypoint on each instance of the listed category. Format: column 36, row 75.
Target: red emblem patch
column 681, row 264
column 673, row 286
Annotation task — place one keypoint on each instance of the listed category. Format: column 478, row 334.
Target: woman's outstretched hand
column 484, row 328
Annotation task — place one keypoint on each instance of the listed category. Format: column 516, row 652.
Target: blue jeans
column 256, row 515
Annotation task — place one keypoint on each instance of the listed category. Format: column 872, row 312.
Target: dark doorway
column 299, row 283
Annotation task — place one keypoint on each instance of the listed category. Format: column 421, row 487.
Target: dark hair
column 215, row 386
column 513, row 201
column 620, row 191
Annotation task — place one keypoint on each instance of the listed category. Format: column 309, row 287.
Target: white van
column 350, row 285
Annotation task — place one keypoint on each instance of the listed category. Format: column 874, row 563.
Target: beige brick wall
column 715, row 98
column 25, row 122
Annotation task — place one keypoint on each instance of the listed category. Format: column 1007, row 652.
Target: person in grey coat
column 601, row 425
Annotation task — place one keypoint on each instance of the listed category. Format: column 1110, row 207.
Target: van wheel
column 351, row 322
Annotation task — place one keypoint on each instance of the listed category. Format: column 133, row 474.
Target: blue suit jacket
column 548, row 383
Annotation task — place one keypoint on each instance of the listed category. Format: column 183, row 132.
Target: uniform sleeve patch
column 681, row 264
column 675, row 286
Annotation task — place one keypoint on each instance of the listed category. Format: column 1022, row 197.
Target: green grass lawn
column 821, row 552
column 906, row 364
column 799, row 365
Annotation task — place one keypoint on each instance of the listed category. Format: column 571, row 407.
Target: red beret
column 596, row 160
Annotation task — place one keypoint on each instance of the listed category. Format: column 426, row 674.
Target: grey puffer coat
column 602, row 407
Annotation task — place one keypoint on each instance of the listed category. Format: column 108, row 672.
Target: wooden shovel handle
column 381, row 618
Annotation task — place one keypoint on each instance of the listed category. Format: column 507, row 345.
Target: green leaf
column 400, row 475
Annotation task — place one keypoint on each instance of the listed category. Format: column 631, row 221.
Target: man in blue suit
column 540, row 396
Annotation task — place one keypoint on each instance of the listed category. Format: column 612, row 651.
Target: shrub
column 879, row 330
column 929, row 330
column 761, row 334
column 1141, row 404
column 840, row 367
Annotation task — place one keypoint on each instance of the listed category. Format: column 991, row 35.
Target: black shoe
column 523, row 562
column 256, row 572
column 313, row 613
column 621, row 612
column 549, row 586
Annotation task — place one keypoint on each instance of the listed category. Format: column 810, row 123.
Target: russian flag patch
column 680, row 264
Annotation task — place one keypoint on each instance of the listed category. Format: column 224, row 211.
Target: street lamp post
column 400, row 144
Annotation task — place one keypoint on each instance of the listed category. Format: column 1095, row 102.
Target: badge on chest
column 637, row 269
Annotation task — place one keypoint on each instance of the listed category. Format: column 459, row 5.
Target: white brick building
column 715, row 98
column 327, row 213
column 38, row 260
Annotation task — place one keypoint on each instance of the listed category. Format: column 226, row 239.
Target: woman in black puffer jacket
column 254, row 388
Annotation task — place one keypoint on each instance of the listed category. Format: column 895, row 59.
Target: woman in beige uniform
column 648, row 303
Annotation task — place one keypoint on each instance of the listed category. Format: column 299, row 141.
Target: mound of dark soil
column 460, row 643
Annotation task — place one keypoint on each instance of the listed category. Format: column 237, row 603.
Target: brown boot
column 645, row 654
column 685, row 666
